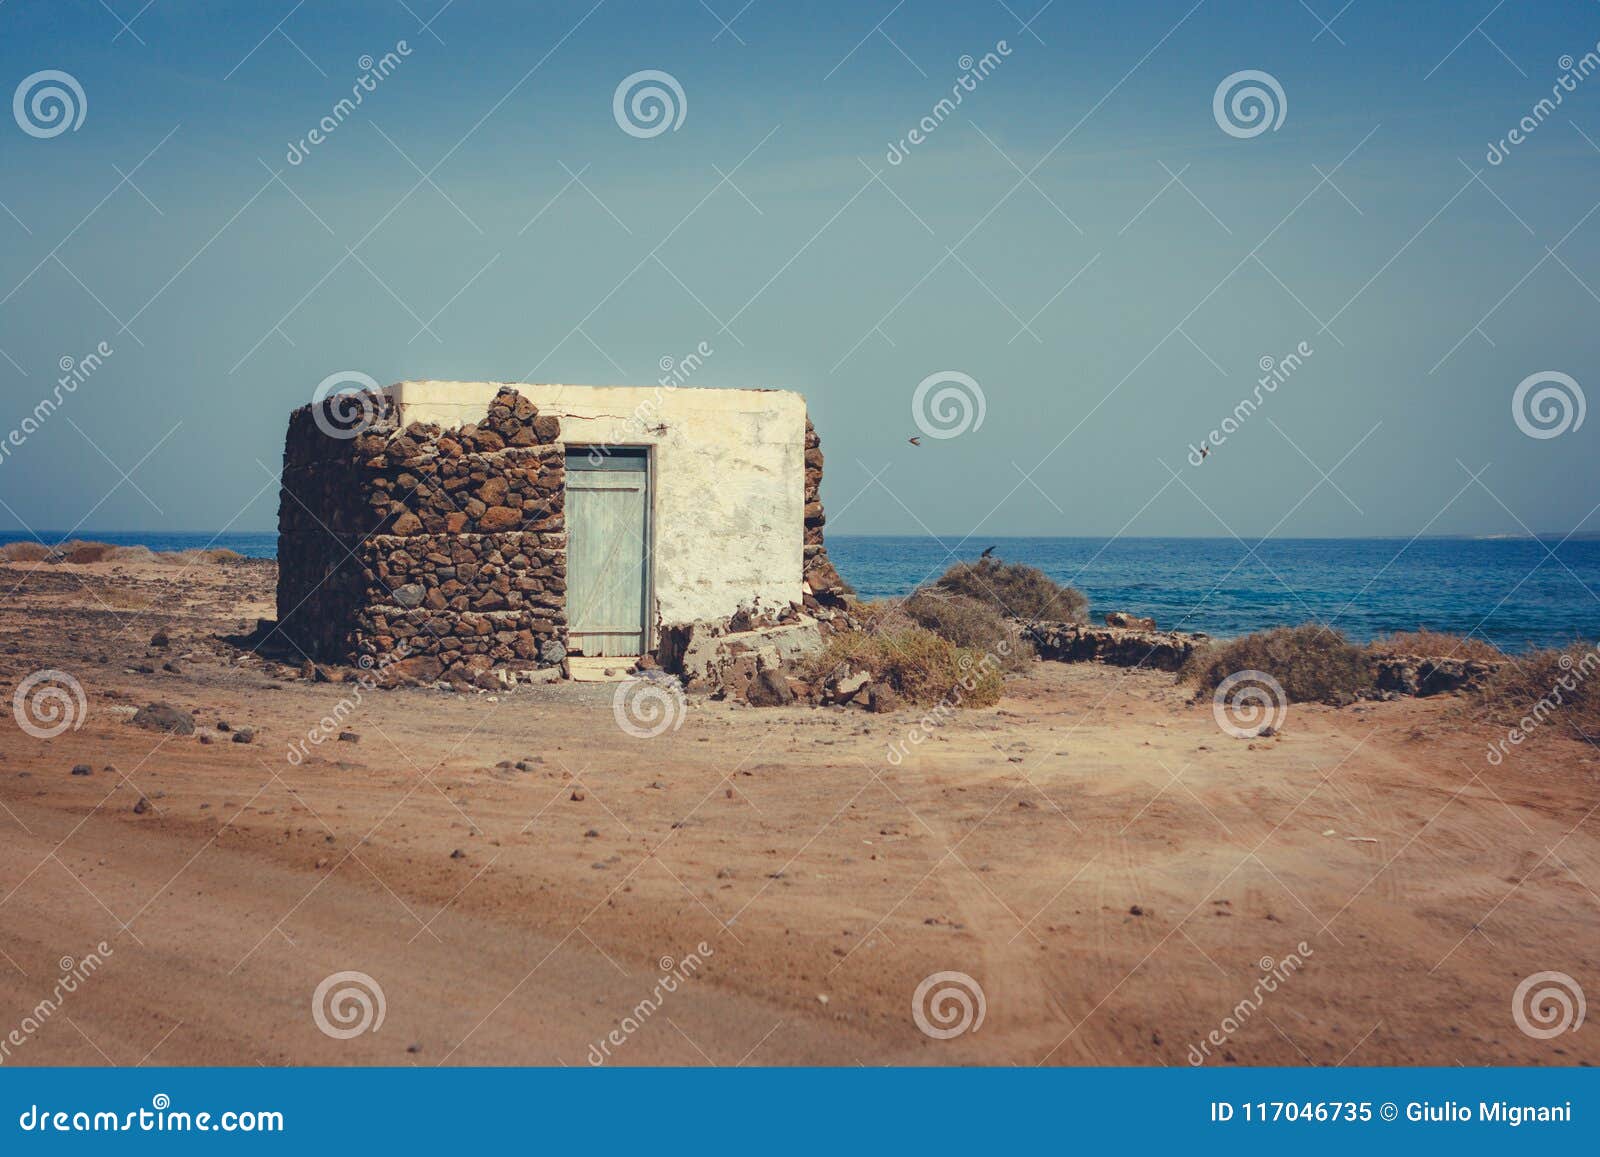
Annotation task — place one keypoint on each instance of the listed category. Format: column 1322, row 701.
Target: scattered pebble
column 591, row 834
column 349, row 737
column 82, row 769
column 244, row 735
column 1136, row 910
column 141, row 807
column 577, row 795
column 458, row 854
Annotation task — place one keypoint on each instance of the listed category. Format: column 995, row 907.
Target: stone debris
column 1415, row 675
column 164, row 717
column 1129, row 622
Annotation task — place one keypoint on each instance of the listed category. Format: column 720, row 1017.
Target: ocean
column 1517, row 593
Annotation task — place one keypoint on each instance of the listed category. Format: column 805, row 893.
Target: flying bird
column 987, row 552
column 1204, row 451
column 915, row 441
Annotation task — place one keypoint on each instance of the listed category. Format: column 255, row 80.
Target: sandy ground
column 1111, row 869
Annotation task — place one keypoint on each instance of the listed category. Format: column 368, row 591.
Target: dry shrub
column 132, row 554
column 1559, row 689
column 1436, row 645
column 1016, row 590
column 195, row 555
column 1313, row 664
column 966, row 622
column 922, row 667
column 24, row 552
column 84, row 552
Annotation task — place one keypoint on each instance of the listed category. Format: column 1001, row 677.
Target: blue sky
column 1081, row 238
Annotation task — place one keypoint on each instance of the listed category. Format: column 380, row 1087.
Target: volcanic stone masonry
column 827, row 588
column 430, row 553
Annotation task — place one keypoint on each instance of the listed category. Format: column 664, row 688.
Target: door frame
column 647, row 636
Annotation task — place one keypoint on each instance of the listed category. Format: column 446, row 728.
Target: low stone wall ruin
column 1119, row 646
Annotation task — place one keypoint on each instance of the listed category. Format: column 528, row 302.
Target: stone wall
column 1118, row 646
column 827, row 588
column 440, row 553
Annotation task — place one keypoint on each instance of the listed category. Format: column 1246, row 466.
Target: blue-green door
column 608, row 556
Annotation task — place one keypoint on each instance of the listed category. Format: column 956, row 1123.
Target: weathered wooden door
column 608, row 555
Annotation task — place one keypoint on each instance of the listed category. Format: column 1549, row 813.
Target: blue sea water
column 1514, row 592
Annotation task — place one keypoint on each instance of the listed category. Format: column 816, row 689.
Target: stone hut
column 477, row 532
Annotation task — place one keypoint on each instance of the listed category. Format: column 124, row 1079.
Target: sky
column 1089, row 259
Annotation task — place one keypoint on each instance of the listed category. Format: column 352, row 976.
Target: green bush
column 1016, row 590
column 1313, row 664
